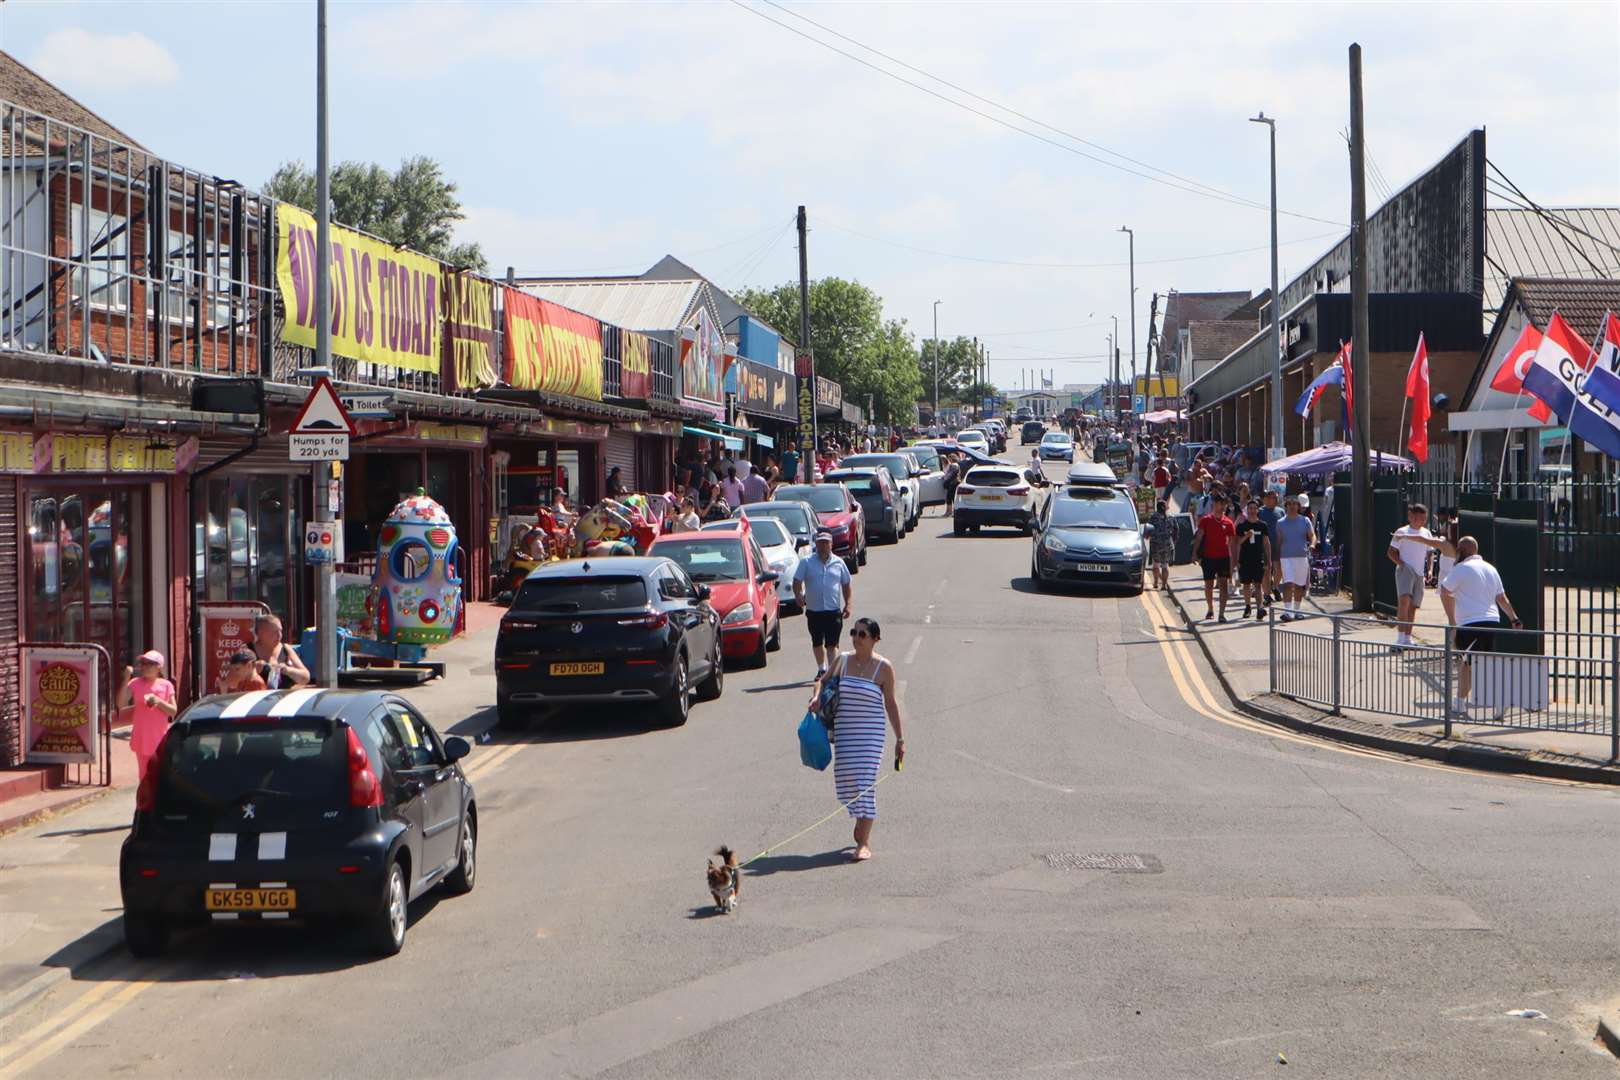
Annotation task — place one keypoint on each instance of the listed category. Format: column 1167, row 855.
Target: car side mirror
column 1147, row 530
column 768, row 577
column 456, row 748
column 915, row 473
column 703, row 592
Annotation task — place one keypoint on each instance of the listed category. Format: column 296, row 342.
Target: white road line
column 911, row 653
column 1016, row 776
column 939, row 590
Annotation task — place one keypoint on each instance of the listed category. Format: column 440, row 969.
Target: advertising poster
column 765, row 390
column 225, row 628
column 61, row 703
column 549, row 347
column 635, row 365
column 469, row 323
column 703, row 358
column 385, row 301
column 354, row 606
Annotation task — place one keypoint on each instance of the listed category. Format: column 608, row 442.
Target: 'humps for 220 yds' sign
column 385, row 302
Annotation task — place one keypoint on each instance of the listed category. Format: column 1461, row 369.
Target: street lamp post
column 1277, row 443
column 1126, row 229
column 936, row 360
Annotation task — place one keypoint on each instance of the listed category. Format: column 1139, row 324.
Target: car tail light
column 652, row 620
column 964, row 489
column 510, row 623
column 149, row 871
column 348, row 869
column 363, row 787
column 1021, row 489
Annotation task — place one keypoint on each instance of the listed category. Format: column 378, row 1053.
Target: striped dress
column 859, row 730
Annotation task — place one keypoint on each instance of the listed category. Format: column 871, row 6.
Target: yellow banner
column 385, row 302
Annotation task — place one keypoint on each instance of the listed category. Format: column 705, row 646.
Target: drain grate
column 1116, row 861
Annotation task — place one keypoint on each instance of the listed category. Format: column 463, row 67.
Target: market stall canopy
column 1330, row 458
column 1162, row 416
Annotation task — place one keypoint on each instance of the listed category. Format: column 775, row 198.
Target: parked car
column 297, row 805
column 839, row 514
column 742, row 585
column 1089, row 534
column 1091, row 472
column 932, row 481
column 781, row 554
column 881, row 503
column 624, row 630
column 1031, row 432
column 1056, row 446
column 996, row 431
column 798, row 518
column 974, row 439
column 1023, row 415
column 904, row 476
column 993, row 495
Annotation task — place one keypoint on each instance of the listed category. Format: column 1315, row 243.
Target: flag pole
column 1507, row 439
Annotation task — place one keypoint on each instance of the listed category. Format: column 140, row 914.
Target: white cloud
column 84, row 60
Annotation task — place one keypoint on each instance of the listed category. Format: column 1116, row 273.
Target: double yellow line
column 72, row 1020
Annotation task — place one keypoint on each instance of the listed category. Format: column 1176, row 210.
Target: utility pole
column 1126, row 229
column 1361, row 495
column 936, row 360
column 1277, row 442
column 1149, row 365
column 325, row 582
column 805, row 365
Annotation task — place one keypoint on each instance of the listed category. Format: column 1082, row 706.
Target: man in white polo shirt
column 1474, row 601
column 1409, row 551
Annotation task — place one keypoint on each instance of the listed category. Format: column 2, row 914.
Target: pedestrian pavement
column 1240, row 652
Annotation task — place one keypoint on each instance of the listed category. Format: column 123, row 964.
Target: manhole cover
column 1118, row 862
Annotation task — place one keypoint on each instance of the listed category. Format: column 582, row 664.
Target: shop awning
column 731, row 443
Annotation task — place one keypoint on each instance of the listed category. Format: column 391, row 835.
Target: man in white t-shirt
column 1409, row 551
column 1474, row 601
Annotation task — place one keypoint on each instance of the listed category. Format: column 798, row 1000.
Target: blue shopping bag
column 814, row 749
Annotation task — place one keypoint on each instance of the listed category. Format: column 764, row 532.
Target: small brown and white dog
column 725, row 880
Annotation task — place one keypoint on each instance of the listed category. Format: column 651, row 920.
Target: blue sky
column 597, row 137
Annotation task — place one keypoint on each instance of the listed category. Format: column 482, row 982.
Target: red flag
column 1417, row 389
column 1349, row 384
column 1509, row 377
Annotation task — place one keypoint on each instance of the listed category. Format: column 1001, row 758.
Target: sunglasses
column 859, row 634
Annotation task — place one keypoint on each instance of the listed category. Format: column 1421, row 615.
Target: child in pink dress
column 151, row 701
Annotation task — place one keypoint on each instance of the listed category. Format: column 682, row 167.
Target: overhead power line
column 1173, row 181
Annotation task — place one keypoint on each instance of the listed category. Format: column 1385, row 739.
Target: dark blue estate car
column 1088, row 534
column 297, row 805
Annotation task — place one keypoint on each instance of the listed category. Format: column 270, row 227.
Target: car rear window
column 707, row 560
column 826, row 498
column 895, row 465
column 858, row 485
column 210, row 765
column 790, row 517
column 581, row 594
column 926, row 456
column 769, row 533
column 993, row 478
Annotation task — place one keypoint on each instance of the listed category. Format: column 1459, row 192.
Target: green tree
column 958, row 368
column 416, row 205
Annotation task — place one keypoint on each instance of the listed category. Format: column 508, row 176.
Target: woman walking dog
column 865, row 701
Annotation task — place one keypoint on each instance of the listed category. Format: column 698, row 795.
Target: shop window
column 244, row 536
column 82, row 584
column 410, row 560
column 107, row 257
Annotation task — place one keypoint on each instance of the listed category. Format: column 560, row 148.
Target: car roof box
column 1090, row 472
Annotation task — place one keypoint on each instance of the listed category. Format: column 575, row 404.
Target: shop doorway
column 84, row 569
column 247, row 529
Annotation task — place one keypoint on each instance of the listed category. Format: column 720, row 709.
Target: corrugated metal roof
column 1575, row 242
column 632, row 304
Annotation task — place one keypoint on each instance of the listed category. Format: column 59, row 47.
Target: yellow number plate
column 591, row 667
column 251, row 899
column 991, row 498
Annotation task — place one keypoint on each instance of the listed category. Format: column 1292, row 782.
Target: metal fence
column 1528, row 679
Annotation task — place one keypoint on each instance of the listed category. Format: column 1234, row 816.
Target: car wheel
column 861, row 558
column 715, row 684
column 459, row 882
column 675, row 708
column 385, row 927
column 145, row 935
column 775, row 642
column 957, row 528
column 508, row 715
column 759, row 659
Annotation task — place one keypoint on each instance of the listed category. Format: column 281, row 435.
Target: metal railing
column 1565, row 682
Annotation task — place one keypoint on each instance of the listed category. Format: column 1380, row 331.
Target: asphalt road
column 1361, row 915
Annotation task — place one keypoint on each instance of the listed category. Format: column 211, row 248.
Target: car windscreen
column 581, row 594
column 795, row 519
column 826, row 498
column 769, row 533
column 857, row 483
column 993, row 478
column 1100, row 509
column 211, row 765
column 708, row 560
column 1056, row 438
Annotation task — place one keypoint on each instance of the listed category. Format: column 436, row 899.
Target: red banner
column 635, row 373
column 549, row 347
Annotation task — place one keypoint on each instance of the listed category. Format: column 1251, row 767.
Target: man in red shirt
column 1217, row 536
column 1161, row 478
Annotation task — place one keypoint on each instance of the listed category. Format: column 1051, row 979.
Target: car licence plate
column 991, row 498
column 1094, row 567
column 588, row 667
column 251, row 899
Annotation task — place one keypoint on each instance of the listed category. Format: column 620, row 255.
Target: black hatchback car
column 1087, row 534
column 297, row 805
column 625, row 629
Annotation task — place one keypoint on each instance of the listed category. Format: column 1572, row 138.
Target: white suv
column 994, row 495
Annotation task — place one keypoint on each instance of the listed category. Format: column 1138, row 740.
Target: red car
column 838, row 513
column 742, row 586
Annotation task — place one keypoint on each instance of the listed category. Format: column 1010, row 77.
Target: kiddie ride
column 415, row 599
column 611, row 527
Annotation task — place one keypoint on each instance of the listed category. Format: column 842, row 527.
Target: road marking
column 911, row 653
column 939, row 590
column 621, row 1035
column 489, row 762
column 85, row 1013
column 993, row 767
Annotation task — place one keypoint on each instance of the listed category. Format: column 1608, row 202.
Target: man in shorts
column 824, row 590
column 1254, row 559
column 1295, row 539
column 1474, row 601
column 1409, row 551
column 1216, row 537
